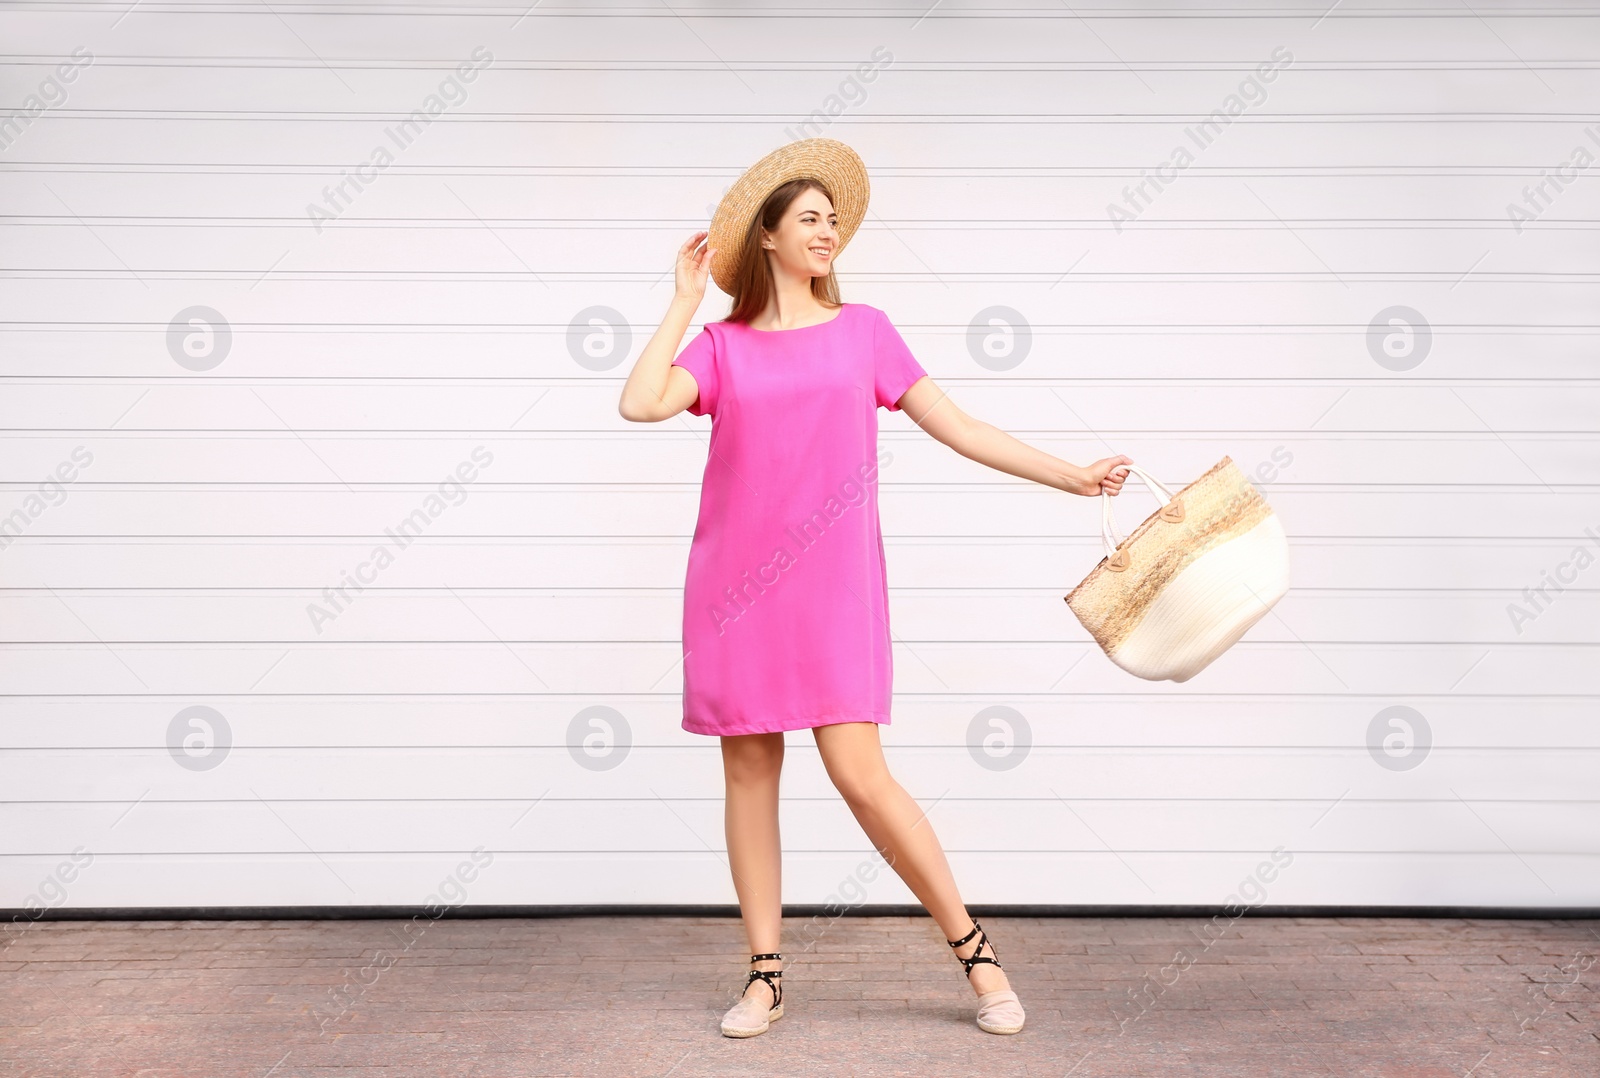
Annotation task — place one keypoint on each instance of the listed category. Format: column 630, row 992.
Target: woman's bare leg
column 894, row 822
column 750, row 766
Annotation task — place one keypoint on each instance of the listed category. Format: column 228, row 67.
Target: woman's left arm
column 936, row 413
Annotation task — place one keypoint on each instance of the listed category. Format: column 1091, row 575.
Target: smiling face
column 807, row 237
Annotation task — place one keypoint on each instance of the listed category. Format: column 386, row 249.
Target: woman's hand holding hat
column 694, row 263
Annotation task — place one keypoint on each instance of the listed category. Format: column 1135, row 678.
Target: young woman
column 786, row 604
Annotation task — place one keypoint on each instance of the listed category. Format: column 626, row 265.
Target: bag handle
column 1108, row 527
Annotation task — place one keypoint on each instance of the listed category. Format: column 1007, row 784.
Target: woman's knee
column 863, row 786
column 854, row 761
column 752, row 758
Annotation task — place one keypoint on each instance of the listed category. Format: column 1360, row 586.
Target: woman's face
column 807, row 236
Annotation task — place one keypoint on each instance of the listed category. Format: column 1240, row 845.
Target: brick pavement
column 525, row 997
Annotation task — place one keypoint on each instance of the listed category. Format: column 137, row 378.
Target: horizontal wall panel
column 574, row 823
column 695, row 771
column 90, row 723
column 1108, row 877
column 286, row 458
column 997, row 507
column 1456, row 564
column 1314, row 299
column 459, row 250
column 309, row 615
column 243, row 203
column 498, row 666
column 1283, row 135
column 272, row 349
column 1306, row 411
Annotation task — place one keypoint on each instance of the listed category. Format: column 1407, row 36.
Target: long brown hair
column 753, row 285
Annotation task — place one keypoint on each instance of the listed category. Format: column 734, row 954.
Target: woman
column 786, row 603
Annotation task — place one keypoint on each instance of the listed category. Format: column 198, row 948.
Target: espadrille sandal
column 749, row 1016
column 999, row 1011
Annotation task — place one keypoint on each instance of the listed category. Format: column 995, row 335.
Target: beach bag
column 1189, row 581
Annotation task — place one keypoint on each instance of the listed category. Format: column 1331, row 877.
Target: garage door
column 330, row 568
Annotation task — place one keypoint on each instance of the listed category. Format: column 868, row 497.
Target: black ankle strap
column 964, row 939
column 968, row 963
column 766, row 957
column 766, row 975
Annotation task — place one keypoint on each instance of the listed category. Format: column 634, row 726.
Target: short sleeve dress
column 786, row 602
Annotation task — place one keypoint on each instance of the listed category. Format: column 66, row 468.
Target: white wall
column 433, row 316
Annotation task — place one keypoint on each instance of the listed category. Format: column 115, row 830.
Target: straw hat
column 825, row 159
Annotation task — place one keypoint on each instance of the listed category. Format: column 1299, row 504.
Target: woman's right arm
column 655, row 389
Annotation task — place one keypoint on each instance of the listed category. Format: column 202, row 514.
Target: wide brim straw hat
column 836, row 165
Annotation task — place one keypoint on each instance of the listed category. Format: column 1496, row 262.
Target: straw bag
column 1189, row 581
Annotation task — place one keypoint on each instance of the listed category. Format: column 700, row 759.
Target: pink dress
column 786, row 602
